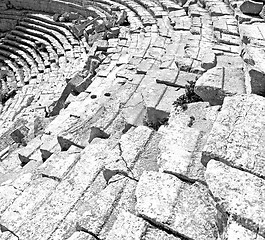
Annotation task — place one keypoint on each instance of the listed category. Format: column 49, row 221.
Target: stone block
column 24, row 205
column 238, row 193
column 219, row 82
column 185, row 209
column 127, row 226
column 253, row 57
column 237, row 136
column 59, row 164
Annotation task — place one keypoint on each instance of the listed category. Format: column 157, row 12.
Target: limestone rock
column 234, row 231
column 253, row 57
column 239, row 193
column 237, row 136
column 127, row 226
column 183, row 208
column 219, row 82
column 208, row 60
column 251, row 7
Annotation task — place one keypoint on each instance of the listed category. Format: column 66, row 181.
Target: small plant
column 189, row 96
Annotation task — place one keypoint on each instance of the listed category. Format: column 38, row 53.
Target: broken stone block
column 239, row 194
column 253, row 57
column 127, row 226
column 219, row 82
column 59, row 164
column 237, row 137
column 183, row 208
column 177, row 150
column 167, row 76
column 251, row 7
column 208, row 60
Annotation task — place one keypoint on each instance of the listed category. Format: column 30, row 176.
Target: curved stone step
column 26, row 49
column 56, row 41
column 19, row 63
column 24, row 42
column 33, row 39
column 14, row 50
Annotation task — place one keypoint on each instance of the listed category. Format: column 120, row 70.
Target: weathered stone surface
column 237, row 135
column 219, row 82
column 133, row 143
column 239, row 193
column 58, row 165
column 253, row 57
column 208, row 60
column 127, row 226
column 44, row 221
column 28, row 201
column 8, row 195
column 234, row 231
column 156, row 193
column 177, row 148
column 251, row 7
column 161, row 196
column 183, row 140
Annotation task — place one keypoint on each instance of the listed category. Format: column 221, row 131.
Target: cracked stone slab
column 100, row 200
column 177, row 148
column 182, row 208
column 30, row 198
column 219, row 82
column 237, row 137
column 127, row 226
column 96, row 210
column 184, row 138
column 59, row 164
column 238, row 193
column 7, row 195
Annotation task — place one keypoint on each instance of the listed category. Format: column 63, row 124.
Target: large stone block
column 185, row 209
column 219, row 82
column 127, row 226
column 238, row 193
column 237, row 137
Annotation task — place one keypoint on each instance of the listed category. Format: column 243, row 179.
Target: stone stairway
column 119, row 161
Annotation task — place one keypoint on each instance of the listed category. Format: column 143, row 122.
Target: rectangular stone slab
column 127, row 226
column 237, row 137
column 183, row 209
column 239, row 193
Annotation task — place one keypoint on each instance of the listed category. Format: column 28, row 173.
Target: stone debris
column 132, row 120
